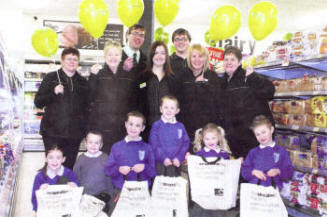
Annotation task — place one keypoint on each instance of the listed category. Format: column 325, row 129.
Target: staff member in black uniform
column 181, row 39
column 199, row 92
column 63, row 95
column 246, row 95
column 112, row 95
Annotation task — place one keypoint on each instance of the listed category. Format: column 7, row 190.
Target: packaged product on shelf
column 297, row 46
column 316, row 120
column 303, row 159
column 281, row 50
column 310, row 44
column 281, row 118
column 323, row 42
column 305, row 84
column 319, row 83
column 292, row 85
column 278, row 106
column 319, row 105
column 281, row 86
column 295, row 106
column 297, row 120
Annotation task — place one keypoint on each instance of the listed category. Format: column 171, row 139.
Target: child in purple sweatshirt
column 168, row 137
column 131, row 158
column 268, row 160
column 52, row 173
column 214, row 142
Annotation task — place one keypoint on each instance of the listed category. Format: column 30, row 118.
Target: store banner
column 169, row 197
column 134, row 200
column 257, row 200
column 58, row 201
column 214, row 182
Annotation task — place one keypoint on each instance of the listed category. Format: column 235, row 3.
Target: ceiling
column 291, row 12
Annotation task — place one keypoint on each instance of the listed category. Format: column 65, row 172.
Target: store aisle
column 28, row 167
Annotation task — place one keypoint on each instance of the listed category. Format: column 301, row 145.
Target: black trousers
column 70, row 146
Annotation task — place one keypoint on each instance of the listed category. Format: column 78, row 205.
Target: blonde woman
column 111, row 97
column 200, row 90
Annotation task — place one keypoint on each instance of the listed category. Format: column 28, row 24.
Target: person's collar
column 175, row 55
column 52, row 174
column 208, row 149
column 271, row 145
column 173, row 121
column 88, row 154
column 130, row 52
column 127, row 139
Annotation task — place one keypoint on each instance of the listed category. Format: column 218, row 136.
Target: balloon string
column 54, row 61
column 97, row 49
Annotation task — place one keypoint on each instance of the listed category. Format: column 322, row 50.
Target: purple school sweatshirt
column 41, row 179
column 169, row 141
column 128, row 154
column 265, row 159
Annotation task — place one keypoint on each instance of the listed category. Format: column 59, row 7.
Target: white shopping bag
column 90, row 206
column 257, row 200
column 58, row 201
column 134, row 200
column 214, row 185
column 169, row 197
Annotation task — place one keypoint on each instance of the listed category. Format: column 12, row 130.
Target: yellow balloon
column 166, row 10
column 262, row 20
column 45, row 42
column 130, row 11
column 225, row 22
column 94, row 15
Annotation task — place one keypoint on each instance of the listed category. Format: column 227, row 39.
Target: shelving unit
column 11, row 143
column 310, row 67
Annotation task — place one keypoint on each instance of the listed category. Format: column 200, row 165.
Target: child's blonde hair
column 210, row 127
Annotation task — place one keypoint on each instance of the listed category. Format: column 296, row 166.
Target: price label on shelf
column 295, row 127
column 316, row 129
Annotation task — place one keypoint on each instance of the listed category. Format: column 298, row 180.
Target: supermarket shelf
column 300, row 211
column 33, row 79
column 9, row 182
column 302, row 128
column 319, row 172
column 31, row 90
column 32, row 136
column 301, row 93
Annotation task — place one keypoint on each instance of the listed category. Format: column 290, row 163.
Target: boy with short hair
column 169, row 138
column 267, row 161
column 131, row 158
column 89, row 167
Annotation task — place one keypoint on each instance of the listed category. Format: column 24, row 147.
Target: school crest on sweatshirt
column 141, row 154
column 276, row 157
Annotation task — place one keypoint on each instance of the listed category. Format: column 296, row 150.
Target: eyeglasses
column 180, row 39
column 138, row 34
column 71, row 59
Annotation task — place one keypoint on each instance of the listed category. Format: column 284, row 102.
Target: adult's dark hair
column 152, row 52
column 47, row 151
column 134, row 27
column 233, row 50
column 69, row 50
column 181, row 31
column 136, row 114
